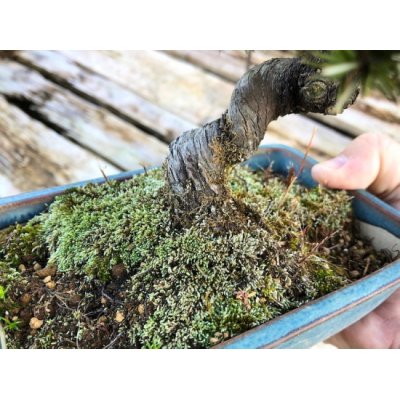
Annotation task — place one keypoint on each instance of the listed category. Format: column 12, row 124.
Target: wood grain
column 33, row 156
column 174, row 85
column 356, row 122
column 104, row 91
column 91, row 126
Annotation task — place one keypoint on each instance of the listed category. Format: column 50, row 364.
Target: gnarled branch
column 198, row 160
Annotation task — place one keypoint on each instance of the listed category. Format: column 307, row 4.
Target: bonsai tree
column 197, row 253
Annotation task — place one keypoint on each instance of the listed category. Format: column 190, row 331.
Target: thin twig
column 317, row 246
column 113, row 341
column 293, row 178
column 104, row 175
column 303, row 161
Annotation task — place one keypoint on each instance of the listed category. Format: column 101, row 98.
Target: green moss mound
column 121, row 272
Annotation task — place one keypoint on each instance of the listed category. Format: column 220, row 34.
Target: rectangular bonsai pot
column 314, row 321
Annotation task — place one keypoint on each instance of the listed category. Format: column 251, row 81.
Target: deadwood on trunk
column 199, row 159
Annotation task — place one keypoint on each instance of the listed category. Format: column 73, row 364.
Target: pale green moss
column 270, row 249
column 90, row 230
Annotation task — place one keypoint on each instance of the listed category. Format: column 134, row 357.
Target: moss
column 270, row 247
column 23, row 244
column 90, row 230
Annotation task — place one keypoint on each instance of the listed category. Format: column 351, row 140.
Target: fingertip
column 319, row 174
column 326, row 172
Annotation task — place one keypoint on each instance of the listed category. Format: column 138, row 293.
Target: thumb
column 371, row 161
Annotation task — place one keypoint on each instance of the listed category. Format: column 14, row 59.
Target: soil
column 108, row 267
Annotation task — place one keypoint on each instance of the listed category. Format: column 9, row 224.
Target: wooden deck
column 67, row 115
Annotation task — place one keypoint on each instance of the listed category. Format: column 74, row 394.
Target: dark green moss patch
column 109, row 266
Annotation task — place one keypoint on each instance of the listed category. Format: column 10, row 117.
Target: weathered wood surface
column 356, row 122
column 93, row 127
column 33, row 156
column 105, row 92
column 219, row 63
column 174, row 85
column 298, row 130
column 380, row 108
column 227, row 64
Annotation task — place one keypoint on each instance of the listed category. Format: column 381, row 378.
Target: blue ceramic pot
column 314, row 321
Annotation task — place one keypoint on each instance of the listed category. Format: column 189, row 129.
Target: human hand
column 371, row 162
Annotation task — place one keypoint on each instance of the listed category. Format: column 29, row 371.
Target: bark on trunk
column 197, row 164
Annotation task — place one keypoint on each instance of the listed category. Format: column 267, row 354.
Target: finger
column 371, row 161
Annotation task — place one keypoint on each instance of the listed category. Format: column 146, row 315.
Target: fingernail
column 334, row 163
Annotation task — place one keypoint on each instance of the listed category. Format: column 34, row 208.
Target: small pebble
column 22, row 268
column 214, row 340
column 37, row 266
column 47, row 279
column 355, row 274
column 74, row 300
column 35, row 323
column 326, row 251
column 119, row 316
column 48, row 271
column 25, row 299
column 140, row 309
column 51, row 285
column 361, row 252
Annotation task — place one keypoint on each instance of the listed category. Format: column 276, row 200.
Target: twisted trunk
column 198, row 161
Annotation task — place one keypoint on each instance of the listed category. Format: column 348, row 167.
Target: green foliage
column 23, row 244
column 3, row 292
column 10, row 325
column 371, row 70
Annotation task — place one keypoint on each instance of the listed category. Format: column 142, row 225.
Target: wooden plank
column 107, row 93
column 7, row 188
column 227, row 64
column 356, row 122
column 274, row 138
column 174, row 85
column 219, row 63
column 96, row 129
column 327, row 142
column 380, row 108
column 33, row 156
column 259, row 56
